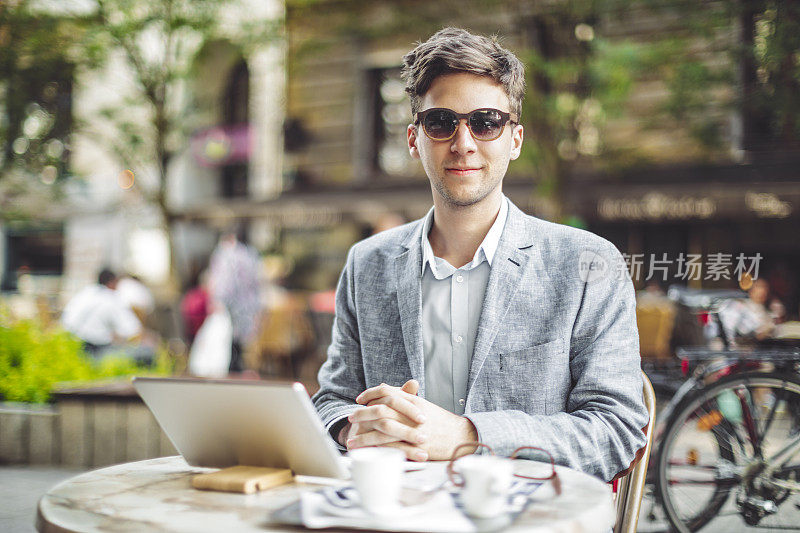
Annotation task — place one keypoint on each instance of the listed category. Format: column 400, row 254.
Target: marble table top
column 156, row 495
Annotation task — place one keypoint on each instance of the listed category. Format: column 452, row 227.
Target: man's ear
column 516, row 140
column 412, row 141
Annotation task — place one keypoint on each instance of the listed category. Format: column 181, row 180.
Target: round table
column 156, row 495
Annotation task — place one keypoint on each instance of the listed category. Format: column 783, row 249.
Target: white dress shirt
column 452, row 300
column 97, row 315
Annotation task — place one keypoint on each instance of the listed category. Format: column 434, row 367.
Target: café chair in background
column 630, row 488
column 655, row 322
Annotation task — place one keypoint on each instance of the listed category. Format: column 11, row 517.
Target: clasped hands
column 398, row 418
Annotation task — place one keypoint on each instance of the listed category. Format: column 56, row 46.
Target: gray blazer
column 556, row 360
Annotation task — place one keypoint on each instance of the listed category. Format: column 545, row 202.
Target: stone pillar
column 267, row 66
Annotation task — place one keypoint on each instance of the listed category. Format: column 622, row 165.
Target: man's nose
column 462, row 142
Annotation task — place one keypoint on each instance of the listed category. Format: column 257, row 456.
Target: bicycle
column 732, row 429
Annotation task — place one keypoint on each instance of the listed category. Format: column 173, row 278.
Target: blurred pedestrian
column 137, row 296
column 195, row 305
column 100, row 318
column 777, row 311
column 233, row 281
column 748, row 319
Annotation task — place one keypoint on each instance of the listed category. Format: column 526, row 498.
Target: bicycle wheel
column 715, row 446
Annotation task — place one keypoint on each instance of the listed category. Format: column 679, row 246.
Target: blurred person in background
column 233, row 283
column 777, row 311
column 100, row 318
column 653, row 293
column 195, row 305
column 748, row 319
column 785, row 329
column 137, row 296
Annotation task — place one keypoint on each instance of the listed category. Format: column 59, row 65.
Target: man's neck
column 457, row 232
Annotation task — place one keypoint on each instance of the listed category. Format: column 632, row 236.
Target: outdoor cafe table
column 157, row 495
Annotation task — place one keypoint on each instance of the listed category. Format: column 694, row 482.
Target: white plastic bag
column 211, row 351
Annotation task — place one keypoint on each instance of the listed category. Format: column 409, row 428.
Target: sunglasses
column 441, row 124
column 551, row 476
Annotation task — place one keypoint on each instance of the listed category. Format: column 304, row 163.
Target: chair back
column 630, row 488
column 655, row 323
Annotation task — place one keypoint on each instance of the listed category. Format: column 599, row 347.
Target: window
column 392, row 115
column 233, row 182
column 32, row 250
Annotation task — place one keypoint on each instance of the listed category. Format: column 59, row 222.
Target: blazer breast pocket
column 535, row 379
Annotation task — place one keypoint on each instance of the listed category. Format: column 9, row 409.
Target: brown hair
column 456, row 50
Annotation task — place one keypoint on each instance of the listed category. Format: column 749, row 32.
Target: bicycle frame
column 700, row 375
column 778, row 462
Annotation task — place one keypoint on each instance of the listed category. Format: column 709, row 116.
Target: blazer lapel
column 409, row 300
column 509, row 267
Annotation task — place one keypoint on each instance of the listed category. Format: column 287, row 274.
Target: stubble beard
column 451, row 200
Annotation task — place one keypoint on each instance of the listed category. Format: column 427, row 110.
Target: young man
column 478, row 322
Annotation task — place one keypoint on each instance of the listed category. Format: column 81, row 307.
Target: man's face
column 463, row 171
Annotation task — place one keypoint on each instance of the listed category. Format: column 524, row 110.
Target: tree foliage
column 729, row 59
column 152, row 46
column 39, row 53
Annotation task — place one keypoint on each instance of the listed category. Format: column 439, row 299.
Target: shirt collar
column 486, row 250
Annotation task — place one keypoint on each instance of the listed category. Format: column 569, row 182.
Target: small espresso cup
column 485, row 483
column 377, row 475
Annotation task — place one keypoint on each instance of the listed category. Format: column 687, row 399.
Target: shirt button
column 459, row 278
column 461, row 402
column 459, row 338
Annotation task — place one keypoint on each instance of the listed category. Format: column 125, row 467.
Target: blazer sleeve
column 341, row 377
column 601, row 431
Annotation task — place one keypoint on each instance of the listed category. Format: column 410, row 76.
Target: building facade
column 642, row 125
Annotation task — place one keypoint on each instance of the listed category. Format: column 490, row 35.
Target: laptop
column 221, row 423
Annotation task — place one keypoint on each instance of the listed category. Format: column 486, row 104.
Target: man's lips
column 465, row 171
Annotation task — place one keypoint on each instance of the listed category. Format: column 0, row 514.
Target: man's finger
column 376, row 392
column 389, row 427
column 378, row 411
column 370, row 438
column 411, row 386
column 384, row 390
column 413, row 453
column 403, row 406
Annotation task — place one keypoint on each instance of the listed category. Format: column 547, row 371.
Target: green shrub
column 33, row 359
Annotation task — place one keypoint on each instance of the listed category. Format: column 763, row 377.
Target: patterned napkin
column 436, row 511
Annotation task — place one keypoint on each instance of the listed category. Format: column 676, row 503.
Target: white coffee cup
column 377, row 474
column 485, row 484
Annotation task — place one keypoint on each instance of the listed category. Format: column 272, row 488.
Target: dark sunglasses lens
column 440, row 124
column 486, row 124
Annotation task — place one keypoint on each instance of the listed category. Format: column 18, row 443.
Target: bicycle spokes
column 730, row 456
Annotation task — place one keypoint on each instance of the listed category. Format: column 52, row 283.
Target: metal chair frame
column 630, row 488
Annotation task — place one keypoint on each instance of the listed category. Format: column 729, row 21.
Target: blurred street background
column 180, row 181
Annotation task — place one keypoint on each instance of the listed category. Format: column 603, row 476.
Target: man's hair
column 455, row 50
column 106, row 276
